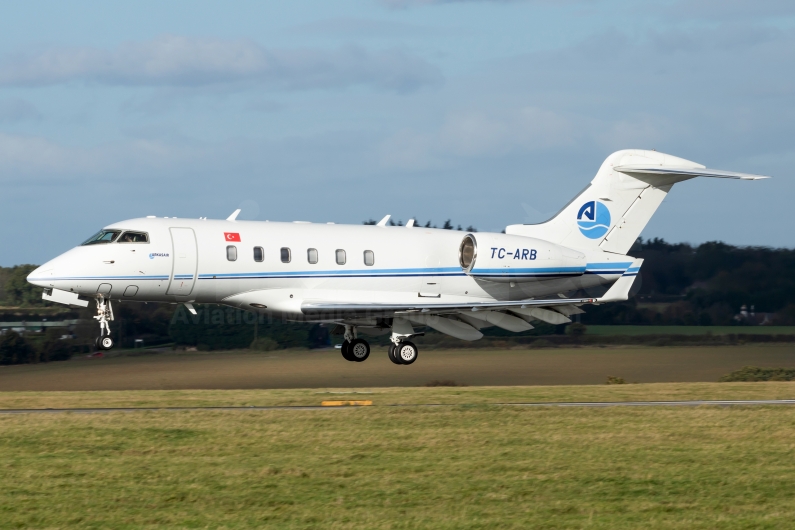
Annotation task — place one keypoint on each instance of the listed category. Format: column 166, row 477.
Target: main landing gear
column 104, row 316
column 357, row 350
column 403, row 352
column 354, row 349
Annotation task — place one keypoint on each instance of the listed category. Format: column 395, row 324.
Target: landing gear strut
column 104, row 315
column 402, row 350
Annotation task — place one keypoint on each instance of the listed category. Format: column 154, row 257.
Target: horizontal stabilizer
column 685, row 172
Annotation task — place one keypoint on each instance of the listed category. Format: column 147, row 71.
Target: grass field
column 690, row 330
column 469, row 466
column 326, row 368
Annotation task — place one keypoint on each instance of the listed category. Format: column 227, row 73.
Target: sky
column 488, row 113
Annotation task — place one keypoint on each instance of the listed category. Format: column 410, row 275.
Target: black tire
column 406, row 352
column 345, row 350
column 359, row 350
column 391, row 354
column 105, row 343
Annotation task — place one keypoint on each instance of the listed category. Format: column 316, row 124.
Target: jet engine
column 507, row 258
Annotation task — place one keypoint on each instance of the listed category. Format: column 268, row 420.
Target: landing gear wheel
column 406, row 352
column 104, row 343
column 359, row 350
column 392, row 355
column 345, row 350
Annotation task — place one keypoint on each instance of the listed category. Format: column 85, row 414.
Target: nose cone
column 42, row 277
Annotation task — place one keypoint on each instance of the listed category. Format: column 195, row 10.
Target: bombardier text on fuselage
column 382, row 279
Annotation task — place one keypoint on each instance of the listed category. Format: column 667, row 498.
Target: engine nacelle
column 506, row 258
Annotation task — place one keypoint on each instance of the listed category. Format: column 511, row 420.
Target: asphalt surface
column 594, row 404
column 327, row 369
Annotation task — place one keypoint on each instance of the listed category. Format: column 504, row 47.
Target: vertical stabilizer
column 611, row 212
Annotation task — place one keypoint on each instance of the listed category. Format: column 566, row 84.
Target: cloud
column 15, row 110
column 470, row 134
column 404, row 4
column 364, row 28
column 743, row 10
column 37, row 158
column 172, row 60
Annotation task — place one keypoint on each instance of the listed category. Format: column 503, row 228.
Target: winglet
column 383, row 221
column 619, row 291
column 234, row 215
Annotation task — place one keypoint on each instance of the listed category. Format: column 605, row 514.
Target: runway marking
column 587, row 404
column 361, row 403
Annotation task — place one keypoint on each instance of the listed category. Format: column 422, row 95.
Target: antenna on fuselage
column 234, row 215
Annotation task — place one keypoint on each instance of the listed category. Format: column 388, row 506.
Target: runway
column 594, row 404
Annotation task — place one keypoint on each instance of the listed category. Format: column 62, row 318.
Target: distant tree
column 54, row 348
column 448, row 225
column 18, row 292
column 370, row 222
column 14, row 349
column 575, row 329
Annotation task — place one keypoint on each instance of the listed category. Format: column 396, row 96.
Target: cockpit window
column 103, row 236
column 134, row 237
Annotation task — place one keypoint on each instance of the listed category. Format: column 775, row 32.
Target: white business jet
column 382, row 279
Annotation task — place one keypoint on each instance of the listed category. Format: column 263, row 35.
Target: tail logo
column 593, row 219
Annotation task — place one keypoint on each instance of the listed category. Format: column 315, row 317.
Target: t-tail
column 611, row 212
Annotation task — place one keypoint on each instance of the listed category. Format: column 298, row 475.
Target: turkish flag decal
column 231, row 236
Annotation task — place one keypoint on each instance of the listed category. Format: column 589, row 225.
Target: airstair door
column 185, row 262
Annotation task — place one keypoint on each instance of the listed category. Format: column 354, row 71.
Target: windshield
column 103, row 236
column 134, row 237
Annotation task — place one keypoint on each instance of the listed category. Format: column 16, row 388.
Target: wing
column 463, row 320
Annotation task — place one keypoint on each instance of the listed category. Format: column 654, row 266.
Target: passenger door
column 185, row 261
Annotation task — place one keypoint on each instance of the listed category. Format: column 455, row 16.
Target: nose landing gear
column 104, row 316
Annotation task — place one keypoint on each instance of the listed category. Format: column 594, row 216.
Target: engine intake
column 506, row 258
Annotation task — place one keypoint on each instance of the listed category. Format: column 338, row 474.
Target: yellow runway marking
column 362, row 403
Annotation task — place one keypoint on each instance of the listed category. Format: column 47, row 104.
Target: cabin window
column 231, row 253
column 134, row 237
column 285, row 255
column 311, row 255
column 340, row 256
column 369, row 258
column 103, row 236
column 259, row 254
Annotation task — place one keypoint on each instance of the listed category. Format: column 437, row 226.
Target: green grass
column 470, row 466
column 691, row 330
column 475, row 395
